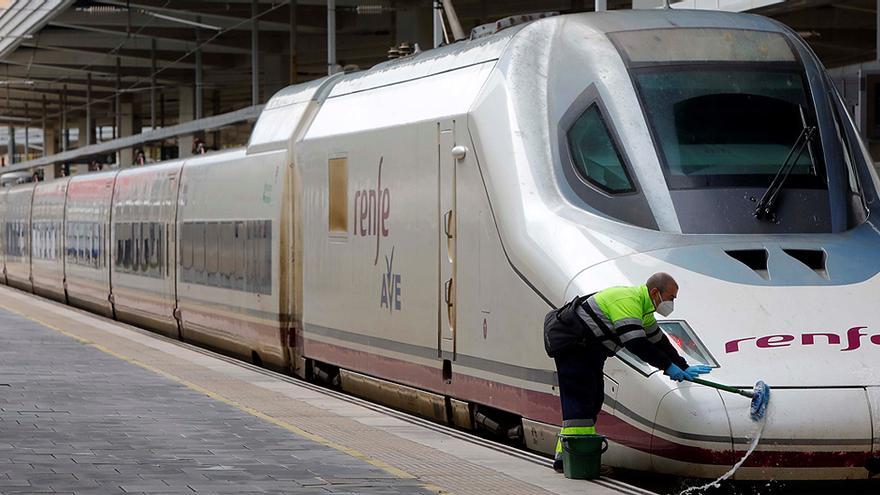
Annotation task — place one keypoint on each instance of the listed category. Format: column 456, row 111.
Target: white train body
column 413, row 223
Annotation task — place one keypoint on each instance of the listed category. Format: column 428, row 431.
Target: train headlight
column 683, row 338
column 688, row 344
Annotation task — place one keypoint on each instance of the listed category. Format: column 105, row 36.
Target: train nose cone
column 820, row 433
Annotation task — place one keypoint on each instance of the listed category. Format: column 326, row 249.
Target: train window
column 186, row 250
column 595, row 157
column 84, row 237
column 130, row 247
column 266, row 257
column 240, row 256
column 212, row 235
column 337, row 172
column 227, row 253
column 143, row 248
column 198, row 245
column 100, row 255
column 123, row 245
column 138, row 258
column 162, row 250
column 250, row 281
column 685, row 339
column 154, row 248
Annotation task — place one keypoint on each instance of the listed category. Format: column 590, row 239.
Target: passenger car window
column 596, row 159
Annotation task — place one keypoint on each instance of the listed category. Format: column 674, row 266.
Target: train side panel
column 3, row 192
column 17, row 236
column 232, row 233
column 374, row 230
column 87, row 241
column 144, row 254
column 47, row 238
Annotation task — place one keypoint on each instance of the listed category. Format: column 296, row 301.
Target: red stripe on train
column 544, row 407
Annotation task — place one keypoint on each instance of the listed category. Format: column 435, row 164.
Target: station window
column 338, row 194
column 595, row 156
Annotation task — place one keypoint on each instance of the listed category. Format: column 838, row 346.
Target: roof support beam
column 246, row 114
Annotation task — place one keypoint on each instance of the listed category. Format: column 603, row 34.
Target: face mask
column 665, row 307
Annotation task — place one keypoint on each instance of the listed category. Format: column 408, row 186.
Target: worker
column 587, row 330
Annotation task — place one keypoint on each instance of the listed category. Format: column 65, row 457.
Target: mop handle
column 723, row 387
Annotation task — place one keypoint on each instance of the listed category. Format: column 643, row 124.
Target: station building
column 87, row 85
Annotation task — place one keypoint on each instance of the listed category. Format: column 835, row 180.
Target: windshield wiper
column 767, row 204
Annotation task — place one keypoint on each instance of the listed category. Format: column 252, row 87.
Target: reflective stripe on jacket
column 624, row 317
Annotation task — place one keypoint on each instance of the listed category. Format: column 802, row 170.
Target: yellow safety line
column 287, row 426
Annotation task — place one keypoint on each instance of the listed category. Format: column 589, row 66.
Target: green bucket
column 582, row 455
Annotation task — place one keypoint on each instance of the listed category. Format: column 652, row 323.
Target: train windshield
column 727, row 108
column 723, row 126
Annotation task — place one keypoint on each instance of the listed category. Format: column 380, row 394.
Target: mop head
column 760, row 399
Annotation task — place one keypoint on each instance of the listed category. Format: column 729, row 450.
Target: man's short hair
column 660, row 281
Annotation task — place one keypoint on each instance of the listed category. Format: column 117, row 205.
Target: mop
column 760, row 396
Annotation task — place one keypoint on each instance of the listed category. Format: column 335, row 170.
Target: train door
column 447, row 320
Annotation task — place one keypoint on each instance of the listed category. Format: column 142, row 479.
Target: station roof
column 68, row 52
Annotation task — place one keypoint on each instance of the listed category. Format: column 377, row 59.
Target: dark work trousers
column 581, row 382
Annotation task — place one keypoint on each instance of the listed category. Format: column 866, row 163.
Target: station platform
column 90, row 405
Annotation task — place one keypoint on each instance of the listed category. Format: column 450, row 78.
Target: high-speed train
column 402, row 231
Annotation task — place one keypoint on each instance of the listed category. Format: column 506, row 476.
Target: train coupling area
column 90, row 405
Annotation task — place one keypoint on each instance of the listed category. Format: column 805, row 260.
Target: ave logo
column 390, row 297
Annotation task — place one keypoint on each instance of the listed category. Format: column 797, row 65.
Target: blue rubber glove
column 678, row 374
column 698, row 369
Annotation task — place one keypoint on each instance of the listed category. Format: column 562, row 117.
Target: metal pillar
column 117, row 121
column 43, row 125
column 11, row 131
column 331, row 36
column 454, row 24
column 10, row 146
column 601, row 5
column 64, row 118
column 438, row 23
column 27, row 127
column 293, row 54
column 152, row 83
column 255, row 54
column 88, row 111
column 199, row 95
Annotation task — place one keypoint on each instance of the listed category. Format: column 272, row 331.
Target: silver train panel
column 143, row 228
column 3, row 218
column 231, row 279
column 47, row 238
column 18, row 236
column 88, row 246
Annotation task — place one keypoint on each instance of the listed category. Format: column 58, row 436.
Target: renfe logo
column 372, row 207
column 853, row 340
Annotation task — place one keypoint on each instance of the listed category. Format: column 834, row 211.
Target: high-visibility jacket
column 623, row 317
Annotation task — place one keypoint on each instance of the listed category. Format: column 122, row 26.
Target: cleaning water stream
column 756, row 437
column 758, row 411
